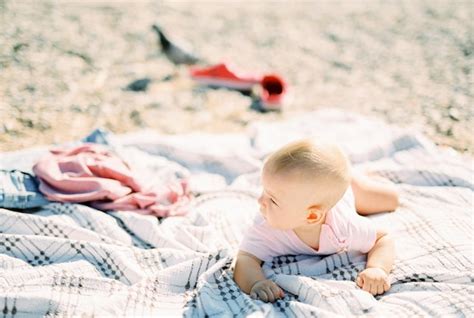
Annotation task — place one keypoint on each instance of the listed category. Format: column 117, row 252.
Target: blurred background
column 64, row 65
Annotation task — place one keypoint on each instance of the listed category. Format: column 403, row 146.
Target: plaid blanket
column 71, row 260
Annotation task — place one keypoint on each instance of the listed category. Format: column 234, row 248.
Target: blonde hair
column 315, row 160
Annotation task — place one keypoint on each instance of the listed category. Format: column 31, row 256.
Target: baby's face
column 286, row 198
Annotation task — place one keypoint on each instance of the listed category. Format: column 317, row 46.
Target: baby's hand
column 373, row 280
column 266, row 290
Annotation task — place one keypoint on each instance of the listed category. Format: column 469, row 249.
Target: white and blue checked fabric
column 72, row 260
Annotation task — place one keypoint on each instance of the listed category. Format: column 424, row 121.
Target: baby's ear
column 315, row 214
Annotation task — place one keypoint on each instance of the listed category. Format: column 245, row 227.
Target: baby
column 308, row 206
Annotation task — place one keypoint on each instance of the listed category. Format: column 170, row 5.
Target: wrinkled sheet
column 70, row 259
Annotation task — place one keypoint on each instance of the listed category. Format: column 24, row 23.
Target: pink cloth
column 343, row 230
column 90, row 173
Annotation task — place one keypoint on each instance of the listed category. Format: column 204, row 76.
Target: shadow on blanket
column 70, row 259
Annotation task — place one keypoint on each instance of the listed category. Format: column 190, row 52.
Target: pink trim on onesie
column 343, row 230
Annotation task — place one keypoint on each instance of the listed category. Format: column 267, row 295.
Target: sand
column 64, row 65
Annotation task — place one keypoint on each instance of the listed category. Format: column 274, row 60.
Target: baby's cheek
column 271, row 213
column 271, row 217
column 275, row 219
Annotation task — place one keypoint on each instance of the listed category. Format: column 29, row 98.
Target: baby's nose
column 260, row 200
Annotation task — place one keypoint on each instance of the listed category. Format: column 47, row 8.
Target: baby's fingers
column 359, row 281
column 277, row 292
column 380, row 290
column 271, row 297
column 262, row 295
column 367, row 286
column 374, row 288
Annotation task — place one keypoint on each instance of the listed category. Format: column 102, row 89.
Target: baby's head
column 301, row 182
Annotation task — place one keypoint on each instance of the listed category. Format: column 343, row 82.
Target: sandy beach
column 64, row 65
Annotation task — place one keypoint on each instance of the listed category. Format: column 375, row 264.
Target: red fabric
column 90, row 173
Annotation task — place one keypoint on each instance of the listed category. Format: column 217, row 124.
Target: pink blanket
column 90, row 173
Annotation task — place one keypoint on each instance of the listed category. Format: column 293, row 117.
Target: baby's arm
column 247, row 271
column 374, row 278
column 249, row 276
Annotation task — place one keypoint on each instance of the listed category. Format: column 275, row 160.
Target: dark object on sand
column 175, row 53
column 139, row 85
column 258, row 106
column 167, row 78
